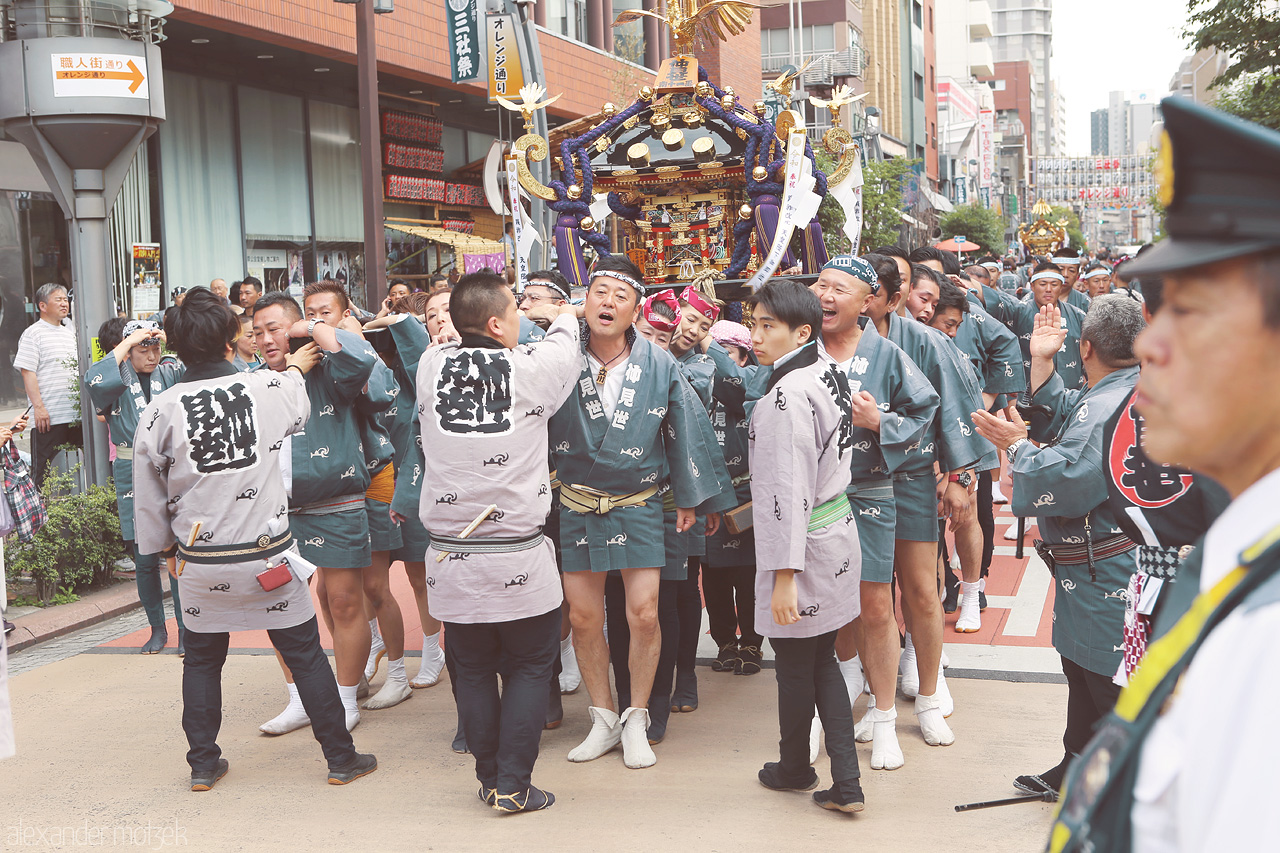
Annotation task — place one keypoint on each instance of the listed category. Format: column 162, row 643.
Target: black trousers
column 615, row 602
column 317, row 687
column 809, row 676
column 1090, row 697
column 986, row 520
column 689, row 612
column 44, row 446
column 730, row 592
column 503, row 732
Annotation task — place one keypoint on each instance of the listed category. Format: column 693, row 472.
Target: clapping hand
column 1048, row 336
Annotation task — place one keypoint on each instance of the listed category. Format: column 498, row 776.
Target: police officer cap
column 1219, row 181
column 857, row 267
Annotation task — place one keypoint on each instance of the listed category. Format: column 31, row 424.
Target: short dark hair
column 111, row 333
column 920, row 271
column 791, row 303
column 618, row 262
column 316, row 288
column 414, row 303
column 950, row 263
column 202, row 327
column 476, row 297
column 951, row 295
column 1044, row 265
column 252, row 282
column 887, row 272
column 290, row 305
column 892, row 252
column 1067, row 252
column 436, row 278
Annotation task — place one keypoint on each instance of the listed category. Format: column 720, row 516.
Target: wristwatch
column 311, row 325
column 1012, row 449
column 964, row 478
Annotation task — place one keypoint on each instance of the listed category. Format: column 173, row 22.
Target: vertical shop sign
column 464, row 39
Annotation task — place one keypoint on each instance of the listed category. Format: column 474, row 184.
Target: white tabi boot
column 570, row 676
column 395, row 690
column 605, row 734
column 970, row 619
column 377, row 651
column 432, row 663
column 636, row 752
column 907, row 670
column 945, row 702
column 292, row 718
column 932, row 725
column 854, row 679
column 863, row 729
column 815, row 729
column 886, row 754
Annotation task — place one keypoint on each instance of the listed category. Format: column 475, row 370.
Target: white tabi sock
column 394, row 690
column 970, row 619
column 377, row 650
column 854, row 679
column 432, row 662
column 373, row 631
column 292, row 718
column 907, row 669
column 570, row 676
column 886, row 754
column 395, row 670
column 349, row 704
column 932, row 725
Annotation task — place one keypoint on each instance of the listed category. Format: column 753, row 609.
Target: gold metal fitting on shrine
column 703, row 89
column 692, row 117
column 659, row 119
column 587, row 224
column 704, row 148
column 573, row 191
column 638, row 155
column 673, row 139
column 728, row 102
column 646, row 93
column 609, row 109
column 760, row 108
column 745, row 212
column 759, row 173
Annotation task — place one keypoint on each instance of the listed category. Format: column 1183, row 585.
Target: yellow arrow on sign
column 133, row 75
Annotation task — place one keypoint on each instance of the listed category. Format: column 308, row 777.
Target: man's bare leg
column 916, row 566
column 377, row 590
column 432, row 663
column 646, row 644
column 584, row 591
column 879, row 647
column 969, row 550
column 344, row 590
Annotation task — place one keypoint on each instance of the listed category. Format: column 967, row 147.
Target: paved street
column 101, row 747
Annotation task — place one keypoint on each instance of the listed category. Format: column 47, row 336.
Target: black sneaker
column 836, row 801
column 204, row 780
column 750, row 657
column 361, row 765
column 8, row 627
column 727, row 659
column 772, row 777
column 952, row 599
column 532, row 800
column 1048, row 782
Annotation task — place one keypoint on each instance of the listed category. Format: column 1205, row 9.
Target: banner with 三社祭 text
column 465, row 50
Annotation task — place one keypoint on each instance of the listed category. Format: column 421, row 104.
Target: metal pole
column 375, row 256
column 88, row 231
column 541, row 214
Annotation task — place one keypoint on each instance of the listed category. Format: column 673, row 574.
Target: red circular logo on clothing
column 1145, row 483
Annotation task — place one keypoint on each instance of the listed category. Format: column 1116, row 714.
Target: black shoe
column 1048, row 782
column 203, row 780
column 154, row 646
column 685, row 697
column 8, row 627
column 840, row 802
column 487, row 795
column 750, row 657
column 657, row 730
column 532, row 800
column 952, row 599
column 727, row 658
column 982, row 602
column 361, row 765
column 182, row 636
column 772, row 777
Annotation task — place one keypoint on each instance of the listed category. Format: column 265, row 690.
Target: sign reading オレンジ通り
column 506, row 75
column 99, row 75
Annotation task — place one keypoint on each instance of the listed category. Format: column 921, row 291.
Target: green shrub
column 77, row 547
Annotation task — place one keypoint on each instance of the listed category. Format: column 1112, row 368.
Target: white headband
column 993, row 266
column 1096, row 272
column 1048, row 274
column 620, row 276
column 1071, row 262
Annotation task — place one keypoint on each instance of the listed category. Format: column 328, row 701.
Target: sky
column 1100, row 46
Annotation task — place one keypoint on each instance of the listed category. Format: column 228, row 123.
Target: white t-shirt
column 611, row 391
column 50, row 352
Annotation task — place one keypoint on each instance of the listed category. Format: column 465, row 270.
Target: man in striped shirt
column 47, row 359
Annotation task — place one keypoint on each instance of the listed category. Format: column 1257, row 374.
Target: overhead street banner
column 506, row 74
column 465, row 50
column 99, row 75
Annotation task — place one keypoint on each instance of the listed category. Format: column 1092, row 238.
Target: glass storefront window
column 200, row 187
column 273, row 165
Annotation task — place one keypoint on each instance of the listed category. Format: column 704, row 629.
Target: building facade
column 1024, row 32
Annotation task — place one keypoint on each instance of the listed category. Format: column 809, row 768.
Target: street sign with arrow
column 98, row 75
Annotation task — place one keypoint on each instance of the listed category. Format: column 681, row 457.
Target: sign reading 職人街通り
column 99, row 75
column 464, row 39
column 506, row 75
